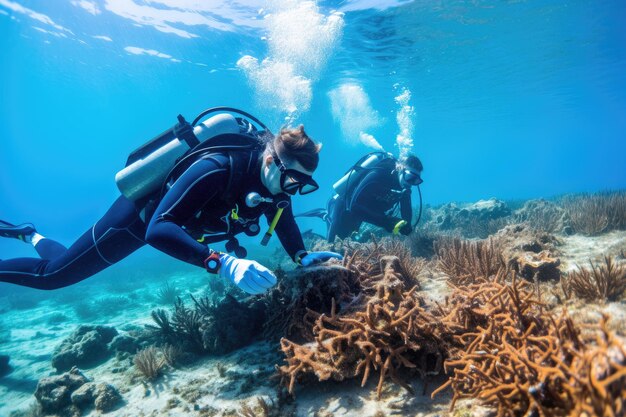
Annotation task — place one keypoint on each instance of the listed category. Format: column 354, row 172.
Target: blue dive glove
column 312, row 258
column 250, row 276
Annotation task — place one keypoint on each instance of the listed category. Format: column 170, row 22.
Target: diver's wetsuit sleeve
column 196, row 187
column 287, row 231
column 363, row 206
column 406, row 210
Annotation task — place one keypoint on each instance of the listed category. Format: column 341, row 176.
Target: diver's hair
column 412, row 162
column 296, row 145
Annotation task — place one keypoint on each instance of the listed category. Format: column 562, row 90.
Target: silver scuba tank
column 340, row 186
column 146, row 174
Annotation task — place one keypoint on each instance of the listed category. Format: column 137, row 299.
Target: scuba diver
column 195, row 184
column 371, row 192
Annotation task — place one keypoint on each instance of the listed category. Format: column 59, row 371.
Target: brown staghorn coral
column 600, row 283
column 463, row 261
column 392, row 331
column 520, row 360
column 386, row 337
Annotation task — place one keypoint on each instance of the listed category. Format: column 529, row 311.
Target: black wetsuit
column 372, row 200
column 197, row 203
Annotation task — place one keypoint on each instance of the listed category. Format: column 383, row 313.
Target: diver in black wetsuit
column 210, row 196
column 370, row 192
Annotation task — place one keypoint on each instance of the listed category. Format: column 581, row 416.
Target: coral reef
column 520, row 359
column 390, row 332
column 592, row 214
column 544, row 215
column 479, row 219
column 85, row 347
column 207, row 326
column 602, row 282
column 495, row 338
column 464, row 261
column 306, row 288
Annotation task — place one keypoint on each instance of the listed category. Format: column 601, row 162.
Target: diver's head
column 289, row 161
column 410, row 171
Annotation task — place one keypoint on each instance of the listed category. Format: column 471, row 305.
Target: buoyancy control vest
column 352, row 178
column 345, row 187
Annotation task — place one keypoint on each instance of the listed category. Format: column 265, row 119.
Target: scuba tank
column 351, row 177
column 148, row 166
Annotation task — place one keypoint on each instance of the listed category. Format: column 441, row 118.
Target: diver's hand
column 318, row 257
column 406, row 229
column 403, row 227
column 250, row 276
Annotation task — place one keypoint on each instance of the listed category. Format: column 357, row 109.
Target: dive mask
column 293, row 181
column 412, row 177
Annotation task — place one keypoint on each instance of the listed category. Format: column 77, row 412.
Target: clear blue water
column 510, row 99
column 505, row 99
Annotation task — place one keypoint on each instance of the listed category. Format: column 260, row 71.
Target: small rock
column 123, row 343
column 83, row 396
column 85, row 347
column 107, row 397
column 54, row 393
column 541, row 265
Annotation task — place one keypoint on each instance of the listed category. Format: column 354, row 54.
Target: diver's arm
column 405, row 206
column 378, row 218
column 195, row 188
column 288, row 232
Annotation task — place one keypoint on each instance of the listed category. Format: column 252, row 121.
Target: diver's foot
column 22, row 231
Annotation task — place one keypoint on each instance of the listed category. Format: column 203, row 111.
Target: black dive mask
column 412, row 178
column 293, row 181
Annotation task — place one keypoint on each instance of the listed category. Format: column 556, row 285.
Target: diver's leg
column 119, row 233
column 26, row 232
column 48, row 249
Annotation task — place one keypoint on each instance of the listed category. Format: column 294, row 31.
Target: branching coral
column 391, row 332
column 592, row 214
column 366, row 261
column 520, row 360
column 464, row 261
column 493, row 334
column 150, row 362
column 386, row 337
column 601, row 283
column 167, row 294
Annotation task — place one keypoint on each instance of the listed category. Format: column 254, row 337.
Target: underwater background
column 514, row 100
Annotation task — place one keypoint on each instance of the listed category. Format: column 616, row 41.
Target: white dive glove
column 250, row 276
